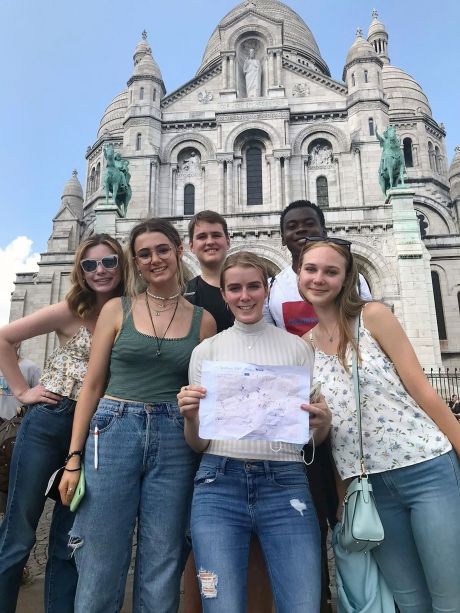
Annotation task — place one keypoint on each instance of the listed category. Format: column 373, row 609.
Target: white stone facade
column 307, row 127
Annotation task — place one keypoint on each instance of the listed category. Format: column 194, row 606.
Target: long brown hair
column 154, row 224
column 348, row 301
column 80, row 298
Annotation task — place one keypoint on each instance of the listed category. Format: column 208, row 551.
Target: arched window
column 92, row 180
column 322, row 192
column 254, row 175
column 437, row 159
column 189, row 199
column 138, row 141
column 438, row 306
column 141, row 93
column 130, row 96
column 98, row 176
column 154, row 94
column 458, row 300
column 371, row 126
column 431, row 155
column 353, row 80
column 366, row 76
column 407, row 147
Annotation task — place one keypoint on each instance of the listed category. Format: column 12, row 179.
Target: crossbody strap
column 358, row 395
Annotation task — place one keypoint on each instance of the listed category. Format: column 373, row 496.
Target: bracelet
column 72, row 454
column 72, row 470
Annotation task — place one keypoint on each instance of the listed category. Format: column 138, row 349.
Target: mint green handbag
column 361, row 528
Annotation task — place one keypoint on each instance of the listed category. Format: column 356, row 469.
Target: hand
column 68, row 485
column 320, row 415
column 39, row 393
column 188, row 400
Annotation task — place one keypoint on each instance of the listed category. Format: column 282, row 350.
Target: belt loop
column 121, row 408
column 267, row 469
column 223, row 464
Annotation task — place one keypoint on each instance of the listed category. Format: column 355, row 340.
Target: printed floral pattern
column 66, row 367
column 396, row 431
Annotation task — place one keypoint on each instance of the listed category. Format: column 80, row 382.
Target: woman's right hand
column 68, row 485
column 40, row 394
column 188, row 400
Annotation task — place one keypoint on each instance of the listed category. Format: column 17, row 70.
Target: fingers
column 320, row 415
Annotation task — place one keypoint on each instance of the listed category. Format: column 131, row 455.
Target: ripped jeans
column 145, row 473
column 233, row 499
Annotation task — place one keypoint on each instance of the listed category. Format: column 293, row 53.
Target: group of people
column 121, row 398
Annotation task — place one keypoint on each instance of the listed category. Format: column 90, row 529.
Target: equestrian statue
column 391, row 169
column 116, row 179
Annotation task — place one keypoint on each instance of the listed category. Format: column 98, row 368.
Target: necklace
column 162, row 307
column 330, row 335
column 254, row 340
column 162, row 298
column 158, row 341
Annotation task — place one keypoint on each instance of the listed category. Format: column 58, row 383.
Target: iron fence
column 445, row 382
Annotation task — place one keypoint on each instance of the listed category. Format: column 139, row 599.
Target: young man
column 209, row 241
column 285, row 306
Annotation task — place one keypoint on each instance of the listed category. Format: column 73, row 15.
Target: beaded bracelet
column 72, row 454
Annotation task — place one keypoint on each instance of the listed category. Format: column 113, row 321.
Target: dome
column 144, row 64
column 403, row 93
column 361, row 50
column 376, row 26
column 114, row 114
column 296, row 34
column 455, row 166
column 73, row 187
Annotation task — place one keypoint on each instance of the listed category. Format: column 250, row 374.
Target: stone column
column 221, row 186
column 270, row 64
column 287, row 180
column 278, row 67
column 232, row 80
column 229, row 200
column 237, row 185
column 417, row 310
column 339, row 182
column 173, row 189
column 279, row 181
column 224, row 72
column 359, row 175
column 306, row 179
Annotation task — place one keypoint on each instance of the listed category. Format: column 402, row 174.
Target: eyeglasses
column 145, row 255
column 109, row 262
column 326, row 239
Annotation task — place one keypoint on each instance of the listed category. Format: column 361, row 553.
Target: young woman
column 43, row 440
column 137, row 463
column 408, row 431
column 252, row 486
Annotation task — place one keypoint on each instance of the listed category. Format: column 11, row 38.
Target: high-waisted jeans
column 233, row 499
column 419, row 506
column 145, row 472
column 41, row 447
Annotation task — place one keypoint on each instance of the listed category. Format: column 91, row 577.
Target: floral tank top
column 396, row 431
column 66, row 367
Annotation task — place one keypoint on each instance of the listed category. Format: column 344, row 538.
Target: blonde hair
column 245, row 259
column 136, row 283
column 348, row 301
column 80, row 298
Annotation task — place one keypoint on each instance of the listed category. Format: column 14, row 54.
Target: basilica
column 263, row 123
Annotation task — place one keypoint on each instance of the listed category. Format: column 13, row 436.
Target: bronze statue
column 391, row 169
column 116, row 179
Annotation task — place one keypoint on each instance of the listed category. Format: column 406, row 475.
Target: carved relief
column 320, row 155
column 254, row 116
column 300, row 89
column 189, row 163
column 205, row 97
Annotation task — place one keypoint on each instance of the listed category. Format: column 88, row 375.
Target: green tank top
column 137, row 373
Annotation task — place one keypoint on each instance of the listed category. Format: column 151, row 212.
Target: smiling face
column 156, row 259
column 297, row 225
column 244, row 291
column 322, row 275
column 209, row 244
column 102, row 280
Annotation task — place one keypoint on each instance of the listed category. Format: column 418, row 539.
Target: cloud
column 15, row 257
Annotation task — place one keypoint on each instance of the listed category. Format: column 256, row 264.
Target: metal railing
column 445, row 381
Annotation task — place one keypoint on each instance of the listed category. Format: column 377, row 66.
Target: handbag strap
column 358, row 395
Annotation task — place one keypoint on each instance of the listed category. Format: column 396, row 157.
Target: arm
column 208, row 326
column 387, row 331
column 108, row 324
column 54, row 318
column 363, row 289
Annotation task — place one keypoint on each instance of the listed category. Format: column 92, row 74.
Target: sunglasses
column 326, row 239
column 109, row 262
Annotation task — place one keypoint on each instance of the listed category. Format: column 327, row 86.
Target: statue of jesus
column 253, row 73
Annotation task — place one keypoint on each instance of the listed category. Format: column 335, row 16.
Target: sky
column 63, row 62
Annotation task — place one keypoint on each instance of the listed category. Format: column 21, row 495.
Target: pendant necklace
column 158, row 341
column 254, row 340
column 163, row 307
column 330, row 335
column 162, row 298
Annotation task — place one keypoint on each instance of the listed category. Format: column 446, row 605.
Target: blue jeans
column 41, row 447
column 145, row 472
column 419, row 506
column 233, row 499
